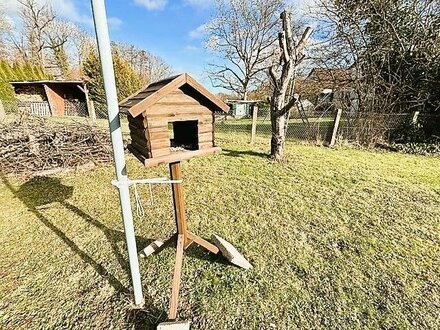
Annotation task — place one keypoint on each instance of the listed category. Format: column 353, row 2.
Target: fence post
column 90, row 105
column 335, row 127
column 92, row 113
column 2, row 111
column 254, row 123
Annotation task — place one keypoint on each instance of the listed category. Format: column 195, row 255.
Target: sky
column 171, row 29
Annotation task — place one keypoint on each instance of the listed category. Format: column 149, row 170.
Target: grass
column 339, row 239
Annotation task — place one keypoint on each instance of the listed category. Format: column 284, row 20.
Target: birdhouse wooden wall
column 166, row 120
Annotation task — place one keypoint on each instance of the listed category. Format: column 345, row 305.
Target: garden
column 338, row 238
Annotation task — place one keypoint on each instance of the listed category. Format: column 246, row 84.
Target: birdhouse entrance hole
column 184, row 135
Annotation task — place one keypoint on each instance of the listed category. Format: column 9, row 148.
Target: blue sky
column 171, row 29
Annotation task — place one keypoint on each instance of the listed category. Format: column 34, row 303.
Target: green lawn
column 339, row 239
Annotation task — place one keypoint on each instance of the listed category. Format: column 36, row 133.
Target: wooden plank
column 158, row 135
column 178, row 97
column 204, row 128
column 206, row 145
column 163, row 122
column 178, row 198
column 172, row 314
column 179, row 110
column 142, row 158
column 141, row 149
column 142, row 142
column 157, row 95
column 139, row 122
column 160, row 143
column 139, row 134
column 161, row 152
column 180, row 156
column 205, row 137
column 202, row 90
column 198, row 240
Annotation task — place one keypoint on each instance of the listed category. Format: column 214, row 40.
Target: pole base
column 176, row 325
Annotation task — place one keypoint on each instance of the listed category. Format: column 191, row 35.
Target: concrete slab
column 177, row 325
column 230, row 252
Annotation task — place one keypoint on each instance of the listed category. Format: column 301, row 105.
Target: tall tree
column 243, row 33
column 5, row 30
column 148, row 66
column 393, row 48
column 283, row 74
column 127, row 81
column 37, row 20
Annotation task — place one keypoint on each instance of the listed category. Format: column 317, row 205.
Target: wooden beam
column 172, row 314
column 198, row 240
column 178, row 199
column 202, row 90
column 140, row 107
column 180, row 156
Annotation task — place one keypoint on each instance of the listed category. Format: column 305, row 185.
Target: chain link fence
column 316, row 127
column 371, row 128
column 319, row 127
column 313, row 127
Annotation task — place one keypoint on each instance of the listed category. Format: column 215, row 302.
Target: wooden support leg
column 172, row 314
column 178, row 200
column 155, row 248
column 203, row 243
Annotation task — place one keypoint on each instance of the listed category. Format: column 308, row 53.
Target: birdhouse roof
column 151, row 94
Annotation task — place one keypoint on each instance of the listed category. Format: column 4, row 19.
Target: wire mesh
column 315, row 127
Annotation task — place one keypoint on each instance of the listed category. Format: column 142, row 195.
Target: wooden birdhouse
column 172, row 120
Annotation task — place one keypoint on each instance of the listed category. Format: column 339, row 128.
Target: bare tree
column 283, row 77
column 392, row 49
column 5, row 30
column 56, row 39
column 244, row 33
column 36, row 20
column 148, row 66
column 83, row 44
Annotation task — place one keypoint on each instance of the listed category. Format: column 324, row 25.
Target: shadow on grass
column 40, row 191
column 242, row 153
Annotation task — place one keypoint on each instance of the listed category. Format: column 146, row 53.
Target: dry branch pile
column 35, row 145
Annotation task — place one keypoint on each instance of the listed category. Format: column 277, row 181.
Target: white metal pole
column 104, row 48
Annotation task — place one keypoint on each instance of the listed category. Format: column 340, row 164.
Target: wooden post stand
column 183, row 238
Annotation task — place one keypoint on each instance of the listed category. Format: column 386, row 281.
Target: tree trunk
column 279, row 128
column 245, row 95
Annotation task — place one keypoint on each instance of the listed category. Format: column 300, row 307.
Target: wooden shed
column 172, row 120
column 52, row 97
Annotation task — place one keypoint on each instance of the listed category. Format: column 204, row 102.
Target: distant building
column 52, row 97
column 332, row 87
column 241, row 108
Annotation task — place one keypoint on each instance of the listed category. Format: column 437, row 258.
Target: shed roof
column 42, row 82
column 149, row 95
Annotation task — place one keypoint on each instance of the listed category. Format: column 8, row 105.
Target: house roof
column 242, row 101
column 151, row 94
column 335, row 75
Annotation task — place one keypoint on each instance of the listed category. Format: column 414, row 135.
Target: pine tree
column 127, row 80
